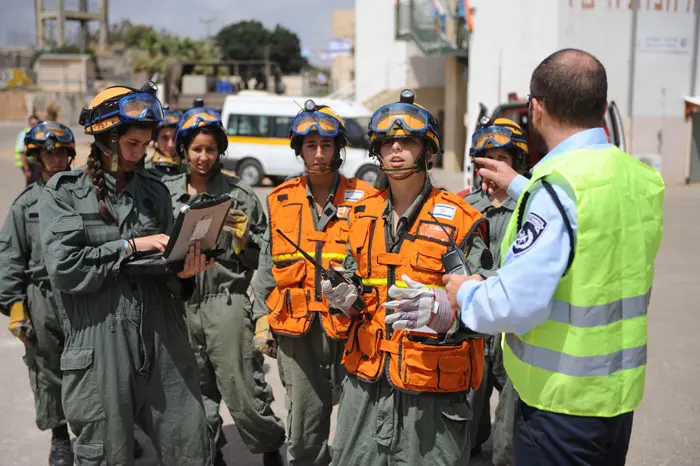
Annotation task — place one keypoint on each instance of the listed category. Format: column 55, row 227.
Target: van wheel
column 368, row 174
column 250, row 171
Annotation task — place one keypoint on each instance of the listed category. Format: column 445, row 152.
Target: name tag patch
column 444, row 211
column 354, row 194
column 529, row 234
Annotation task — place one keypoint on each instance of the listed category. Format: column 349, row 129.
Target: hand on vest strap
column 418, row 307
column 236, row 223
column 340, row 297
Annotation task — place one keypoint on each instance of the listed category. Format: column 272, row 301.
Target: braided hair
column 95, row 168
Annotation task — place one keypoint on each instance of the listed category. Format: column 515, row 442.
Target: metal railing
column 430, row 23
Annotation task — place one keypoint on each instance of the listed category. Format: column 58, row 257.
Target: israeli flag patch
column 529, row 233
column 354, row 194
column 444, row 211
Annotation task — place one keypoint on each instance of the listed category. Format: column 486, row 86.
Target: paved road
column 666, row 425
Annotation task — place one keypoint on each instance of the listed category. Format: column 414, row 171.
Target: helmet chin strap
column 337, row 162
column 116, row 163
column 405, row 172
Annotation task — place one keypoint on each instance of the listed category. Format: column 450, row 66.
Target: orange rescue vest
column 298, row 292
column 418, row 362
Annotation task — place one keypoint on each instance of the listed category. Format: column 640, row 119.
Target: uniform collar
column 412, row 212
column 331, row 194
column 580, row 140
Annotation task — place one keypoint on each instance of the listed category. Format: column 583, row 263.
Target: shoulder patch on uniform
column 282, row 197
column 63, row 177
column 529, row 233
column 354, row 194
column 444, row 211
column 360, row 208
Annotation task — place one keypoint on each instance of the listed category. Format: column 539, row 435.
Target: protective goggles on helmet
column 198, row 117
column 45, row 130
column 170, row 118
column 322, row 123
column 493, row 137
column 402, row 115
column 133, row 107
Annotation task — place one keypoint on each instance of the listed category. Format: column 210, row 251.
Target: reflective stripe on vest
column 577, row 366
column 298, row 255
column 399, row 283
column 589, row 357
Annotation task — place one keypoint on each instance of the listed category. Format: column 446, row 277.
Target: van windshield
column 356, row 132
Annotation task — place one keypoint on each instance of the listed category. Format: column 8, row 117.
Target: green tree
column 247, row 40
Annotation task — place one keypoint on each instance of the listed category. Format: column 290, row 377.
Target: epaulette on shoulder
column 64, row 177
column 287, row 184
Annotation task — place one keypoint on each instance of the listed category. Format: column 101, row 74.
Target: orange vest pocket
column 431, row 368
column 297, row 304
column 291, row 275
column 362, row 356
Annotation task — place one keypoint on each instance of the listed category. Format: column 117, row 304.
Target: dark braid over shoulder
column 95, row 170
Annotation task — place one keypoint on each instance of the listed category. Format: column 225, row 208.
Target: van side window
column 282, row 125
column 248, row 125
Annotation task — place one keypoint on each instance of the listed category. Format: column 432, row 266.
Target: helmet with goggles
column 501, row 133
column 324, row 121
column 170, row 118
column 196, row 119
column 122, row 105
column 404, row 119
column 319, row 119
column 50, row 136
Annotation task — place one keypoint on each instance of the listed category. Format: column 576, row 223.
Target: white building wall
column 380, row 60
column 501, row 61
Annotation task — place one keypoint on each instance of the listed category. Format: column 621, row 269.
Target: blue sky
column 310, row 19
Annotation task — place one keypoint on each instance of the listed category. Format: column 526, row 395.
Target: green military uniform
column 380, row 426
column 309, row 365
column 494, row 372
column 219, row 315
column 23, row 278
column 126, row 359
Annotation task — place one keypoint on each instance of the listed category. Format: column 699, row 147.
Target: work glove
column 340, row 297
column 419, row 307
column 20, row 325
column 263, row 340
column 236, row 223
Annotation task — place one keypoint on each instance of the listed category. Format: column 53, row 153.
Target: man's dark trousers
column 544, row 438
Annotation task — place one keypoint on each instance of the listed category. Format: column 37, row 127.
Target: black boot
column 219, row 459
column 138, row 449
column 61, row 452
column 273, row 458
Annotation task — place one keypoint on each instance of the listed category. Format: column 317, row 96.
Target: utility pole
column 207, row 25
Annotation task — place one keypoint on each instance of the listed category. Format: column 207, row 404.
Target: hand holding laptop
column 195, row 262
